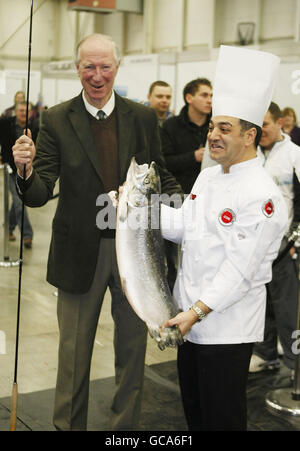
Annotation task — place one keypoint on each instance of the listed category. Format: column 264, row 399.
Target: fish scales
column 140, row 253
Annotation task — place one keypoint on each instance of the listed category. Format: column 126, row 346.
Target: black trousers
column 213, row 382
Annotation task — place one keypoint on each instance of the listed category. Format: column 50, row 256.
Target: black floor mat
column 161, row 411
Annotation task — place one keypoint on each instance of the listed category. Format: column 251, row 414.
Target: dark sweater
column 180, row 138
column 105, row 136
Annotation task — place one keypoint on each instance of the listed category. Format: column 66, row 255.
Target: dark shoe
column 28, row 243
column 11, row 237
column 257, row 364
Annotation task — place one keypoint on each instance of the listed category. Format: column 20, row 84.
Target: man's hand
column 24, row 154
column 198, row 153
column 114, row 197
column 293, row 253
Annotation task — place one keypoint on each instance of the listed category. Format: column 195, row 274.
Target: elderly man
column 230, row 228
column 88, row 143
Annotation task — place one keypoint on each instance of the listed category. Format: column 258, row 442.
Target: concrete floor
column 38, row 346
column 38, row 324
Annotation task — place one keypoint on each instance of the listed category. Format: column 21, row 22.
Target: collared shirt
column 107, row 108
column 230, row 228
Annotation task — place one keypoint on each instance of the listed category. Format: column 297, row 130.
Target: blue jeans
column 15, row 214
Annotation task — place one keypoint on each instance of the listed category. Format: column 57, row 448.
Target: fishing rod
column 14, row 399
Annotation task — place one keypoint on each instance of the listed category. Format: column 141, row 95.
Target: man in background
column 281, row 159
column 159, row 98
column 184, row 136
column 12, row 128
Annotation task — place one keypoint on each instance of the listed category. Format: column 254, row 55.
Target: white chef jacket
column 230, row 228
column 280, row 163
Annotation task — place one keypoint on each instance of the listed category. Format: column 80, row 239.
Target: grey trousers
column 78, row 319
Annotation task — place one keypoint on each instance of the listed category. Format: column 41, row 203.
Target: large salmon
column 140, row 253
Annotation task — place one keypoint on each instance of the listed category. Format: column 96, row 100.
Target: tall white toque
column 244, row 83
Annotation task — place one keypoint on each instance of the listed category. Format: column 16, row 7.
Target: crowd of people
column 236, row 306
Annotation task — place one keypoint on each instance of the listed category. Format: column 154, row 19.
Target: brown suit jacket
column 66, row 150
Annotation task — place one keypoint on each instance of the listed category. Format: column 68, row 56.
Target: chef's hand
column 24, row 153
column 184, row 320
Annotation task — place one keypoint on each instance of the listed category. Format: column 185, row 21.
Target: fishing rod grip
column 13, row 412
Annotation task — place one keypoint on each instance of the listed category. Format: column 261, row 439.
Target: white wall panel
column 113, row 25
column 166, row 24
column 189, row 71
column 229, row 13
column 49, row 91
column 136, row 74
column 199, row 22
column 16, row 80
column 66, row 28
column 134, row 34
column 278, row 19
column 15, row 37
column 66, row 89
column 287, row 91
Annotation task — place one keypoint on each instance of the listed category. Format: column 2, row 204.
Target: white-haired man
column 88, row 143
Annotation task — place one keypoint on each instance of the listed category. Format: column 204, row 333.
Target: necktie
column 101, row 115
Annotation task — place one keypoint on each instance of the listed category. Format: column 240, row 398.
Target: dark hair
column 275, row 111
column 193, row 86
column 245, row 125
column 158, row 83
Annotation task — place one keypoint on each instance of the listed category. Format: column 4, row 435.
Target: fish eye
column 147, row 181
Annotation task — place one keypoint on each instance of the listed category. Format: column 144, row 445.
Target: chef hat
column 244, row 83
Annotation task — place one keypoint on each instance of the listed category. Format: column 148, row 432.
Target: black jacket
column 180, row 138
column 8, row 136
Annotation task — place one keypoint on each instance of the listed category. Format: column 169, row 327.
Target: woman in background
column 290, row 124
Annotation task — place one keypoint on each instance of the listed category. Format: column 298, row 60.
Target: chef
column 230, row 228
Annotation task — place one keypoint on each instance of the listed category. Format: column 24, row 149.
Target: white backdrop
column 135, row 75
column 12, row 81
